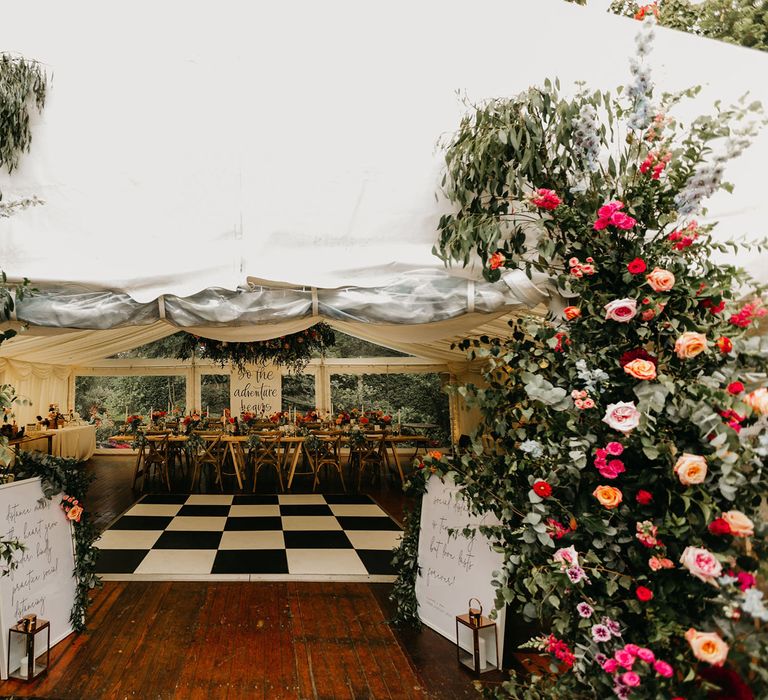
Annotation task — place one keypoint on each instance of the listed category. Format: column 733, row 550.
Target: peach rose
column 707, row 646
column 690, row 344
column 660, row 280
column 621, row 310
column 640, row 369
column 75, row 513
column 571, row 312
column 691, row 469
column 740, row 524
column 757, row 400
column 608, row 496
column 701, row 563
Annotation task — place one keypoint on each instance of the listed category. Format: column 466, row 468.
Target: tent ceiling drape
column 184, row 150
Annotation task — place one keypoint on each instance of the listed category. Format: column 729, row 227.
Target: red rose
column 643, row 497
column 543, row 489
column 637, row 266
column 735, row 388
column 724, row 344
column 719, row 526
column 643, row 594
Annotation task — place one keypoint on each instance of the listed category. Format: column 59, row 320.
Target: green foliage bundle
column 742, row 22
column 67, row 477
column 292, row 351
column 623, row 441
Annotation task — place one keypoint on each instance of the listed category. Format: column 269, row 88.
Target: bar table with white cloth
column 74, row 441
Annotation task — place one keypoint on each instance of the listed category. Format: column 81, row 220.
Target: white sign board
column 43, row 583
column 256, row 389
column 454, row 568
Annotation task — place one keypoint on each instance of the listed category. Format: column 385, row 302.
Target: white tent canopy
column 189, row 148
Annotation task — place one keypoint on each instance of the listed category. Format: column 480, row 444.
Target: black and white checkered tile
column 253, row 537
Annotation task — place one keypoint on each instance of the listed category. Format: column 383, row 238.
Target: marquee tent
column 244, row 172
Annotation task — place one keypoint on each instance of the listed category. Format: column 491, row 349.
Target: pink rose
column 663, row 669
column 624, row 658
column 632, row 649
column 701, row 563
column 631, row 679
column 614, row 448
column 622, row 416
column 660, row 280
column 646, row 655
column 621, row 310
column 566, row 555
column 610, row 665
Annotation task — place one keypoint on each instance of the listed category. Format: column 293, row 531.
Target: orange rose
column 660, row 280
column 690, row 344
column 571, row 312
column 707, row 646
column 608, row 496
column 640, row 369
column 691, row 469
column 436, row 455
column 75, row 513
column 496, row 261
column 740, row 524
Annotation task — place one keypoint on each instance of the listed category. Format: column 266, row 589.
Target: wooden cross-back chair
column 368, row 454
column 267, row 454
column 327, row 453
column 210, row 454
column 156, row 458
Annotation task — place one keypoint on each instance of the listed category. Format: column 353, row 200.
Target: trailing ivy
column 405, row 559
column 293, row 351
column 67, row 477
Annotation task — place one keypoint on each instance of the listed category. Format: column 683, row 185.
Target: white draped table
column 75, row 441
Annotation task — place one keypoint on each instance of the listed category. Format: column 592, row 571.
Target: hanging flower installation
column 293, row 351
column 654, row 588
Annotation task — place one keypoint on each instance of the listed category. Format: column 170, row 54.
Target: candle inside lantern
column 482, row 653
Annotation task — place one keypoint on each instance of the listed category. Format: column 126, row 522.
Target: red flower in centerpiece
column 496, row 260
column 542, row 488
column 644, row 594
column 643, row 497
column 637, row 266
column 735, row 388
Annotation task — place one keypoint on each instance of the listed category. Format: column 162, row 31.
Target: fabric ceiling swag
column 427, row 297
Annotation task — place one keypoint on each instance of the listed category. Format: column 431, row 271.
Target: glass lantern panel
column 17, row 656
column 487, row 644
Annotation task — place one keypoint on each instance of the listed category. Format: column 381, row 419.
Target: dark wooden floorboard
column 233, row 640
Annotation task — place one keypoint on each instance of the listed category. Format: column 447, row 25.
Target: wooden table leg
column 234, row 452
column 396, row 457
column 294, row 462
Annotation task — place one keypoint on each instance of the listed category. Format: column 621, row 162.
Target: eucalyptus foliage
column 599, row 192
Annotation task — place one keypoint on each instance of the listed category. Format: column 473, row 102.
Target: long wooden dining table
column 293, row 446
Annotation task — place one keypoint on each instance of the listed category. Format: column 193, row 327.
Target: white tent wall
column 38, row 385
column 183, row 148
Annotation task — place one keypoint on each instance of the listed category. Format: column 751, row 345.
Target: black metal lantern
column 477, row 641
column 29, row 648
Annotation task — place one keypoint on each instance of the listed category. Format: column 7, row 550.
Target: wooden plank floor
column 228, row 640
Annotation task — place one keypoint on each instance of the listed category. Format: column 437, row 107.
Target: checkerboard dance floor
column 250, row 537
